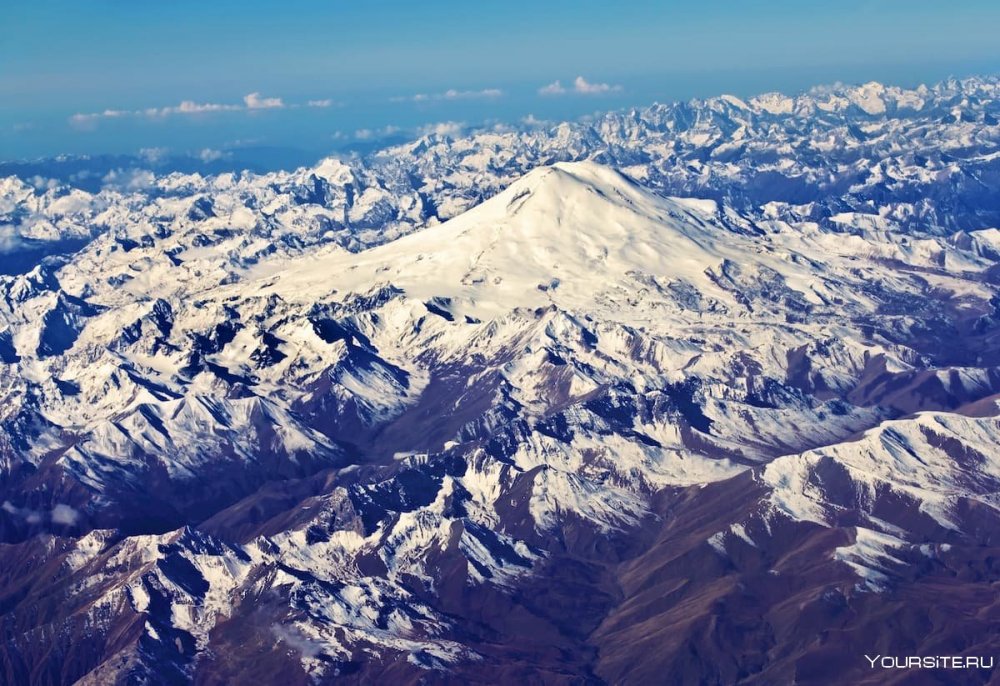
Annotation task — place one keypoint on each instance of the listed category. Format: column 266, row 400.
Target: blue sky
column 127, row 66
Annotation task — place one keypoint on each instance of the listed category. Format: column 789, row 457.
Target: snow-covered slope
column 872, row 156
column 557, row 237
column 515, row 443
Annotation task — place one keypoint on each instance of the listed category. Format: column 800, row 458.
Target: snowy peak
column 261, row 444
column 559, row 234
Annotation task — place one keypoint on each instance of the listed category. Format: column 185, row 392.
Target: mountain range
column 707, row 390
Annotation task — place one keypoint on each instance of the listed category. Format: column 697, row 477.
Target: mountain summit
column 580, row 431
column 560, row 234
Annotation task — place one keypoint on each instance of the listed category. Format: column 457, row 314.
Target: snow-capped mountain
column 873, row 156
column 464, row 411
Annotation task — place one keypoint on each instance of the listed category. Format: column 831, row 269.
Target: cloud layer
column 451, row 94
column 251, row 102
column 581, row 86
column 254, row 101
column 442, row 128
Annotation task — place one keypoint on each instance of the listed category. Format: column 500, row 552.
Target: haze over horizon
column 182, row 78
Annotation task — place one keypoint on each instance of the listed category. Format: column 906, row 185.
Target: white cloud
column 320, row 103
column 487, row 93
column 60, row 514
column 129, row 179
column 444, row 128
column 89, row 120
column 10, row 239
column 191, row 107
column 581, row 86
column 42, row 183
column 210, row 155
column 451, row 94
column 554, row 88
column 372, row 134
column 65, row 515
column 154, row 155
column 83, row 121
column 298, row 642
column 186, row 107
column 253, row 101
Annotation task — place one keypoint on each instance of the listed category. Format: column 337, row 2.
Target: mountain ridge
column 613, row 464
